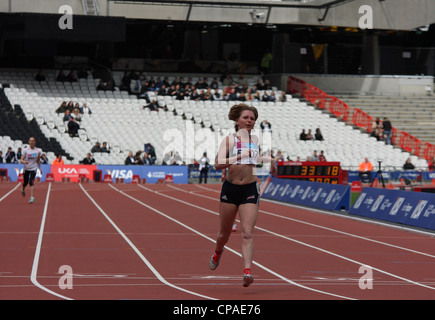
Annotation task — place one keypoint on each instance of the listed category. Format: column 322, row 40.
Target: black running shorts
column 240, row 194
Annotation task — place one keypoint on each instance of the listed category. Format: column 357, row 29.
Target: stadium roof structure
column 386, row 14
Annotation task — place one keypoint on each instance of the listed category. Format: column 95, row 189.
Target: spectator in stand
column 153, row 106
column 73, row 127
column 318, row 135
column 386, row 126
column 88, row 159
column 365, row 169
column 40, row 76
column 303, row 135
column 77, row 115
column 101, row 86
column 1, row 157
column 272, row 97
column 377, row 129
column 322, row 156
column 194, row 95
column 227, row 81
column 265, row 96
column 408, row 165
column 70, row 106
column 283, row 97
column 58, row 160
column 105, row 148
column 309, row 135
column 61, row 77
column 233, row 95
column 62, row 108
column 71, row 77
column 125, row 83
column 130, row 160
column 110, row 86
column 151, row 152
column 18, row 155
column 96, row 148
column 83, row 74
column 146, row 160
column 44, row 159
column 10, row 156
column 279, row 156
column 214, row 84
column 315, row 157
column 162, row 90
column 85, row 109
column 266, row 126
column 168, row 158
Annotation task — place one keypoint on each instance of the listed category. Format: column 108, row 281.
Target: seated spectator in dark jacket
column 101, row 86
column 104, row 148
column 10, row 156
column 67, row 115
column 73, row 127
column 40, row 76
column 61, row 76
column 44, row 159
column 153, row 106
column 130, row 160
column 303, row 135
column 88, row 159
column 318, row 135
column 96, row 148
column 82, row 74
column 408, row 165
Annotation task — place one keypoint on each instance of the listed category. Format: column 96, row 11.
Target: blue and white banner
column 14, row 169
column 396, row 175
column 151, row 173
column 313, row 194
column 398, row 206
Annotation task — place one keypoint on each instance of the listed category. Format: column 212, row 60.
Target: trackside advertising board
column 313, row 194
column 404, row 207
column 151, row 173
column 14, row 170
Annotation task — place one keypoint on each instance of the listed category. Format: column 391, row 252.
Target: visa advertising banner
column 151, row 173
column 404, row 207
column 313, row 194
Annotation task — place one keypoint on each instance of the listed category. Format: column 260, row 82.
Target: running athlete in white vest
column 31, row 158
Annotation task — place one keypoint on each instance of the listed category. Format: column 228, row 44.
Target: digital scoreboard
column 325, row 172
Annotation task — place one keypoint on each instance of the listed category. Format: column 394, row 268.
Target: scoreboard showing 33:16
column 325, row 172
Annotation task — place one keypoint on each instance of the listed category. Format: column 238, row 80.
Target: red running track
column 128, row 241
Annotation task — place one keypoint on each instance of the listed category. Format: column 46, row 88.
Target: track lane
column 198, row 219
column 104, row 266
column 193, row 252
column 19, row 228
column 404, row 277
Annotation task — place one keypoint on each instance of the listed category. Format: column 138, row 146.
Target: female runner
column 240, row 192
column 31, row 158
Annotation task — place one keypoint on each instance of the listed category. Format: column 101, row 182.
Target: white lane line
column 7, row 194
column 141, row 256
column 305, row 244
column 319, row 226
column 33, row 275
column 227, row 248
